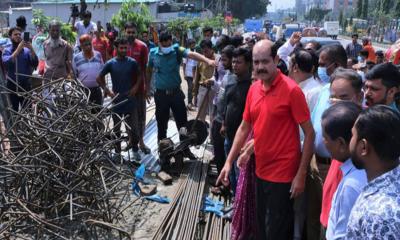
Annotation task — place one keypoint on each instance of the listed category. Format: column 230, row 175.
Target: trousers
column 165, row 100
column 275, row 214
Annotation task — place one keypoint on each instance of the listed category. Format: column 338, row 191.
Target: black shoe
column 188, row 154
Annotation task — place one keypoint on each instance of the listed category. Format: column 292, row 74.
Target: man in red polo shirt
column 275, row 107
column 138, row 51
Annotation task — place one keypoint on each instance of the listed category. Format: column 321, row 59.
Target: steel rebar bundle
column 185, row 218
column 60, row 179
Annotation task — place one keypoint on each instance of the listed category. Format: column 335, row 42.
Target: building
column 61, row 9
column 337, row 5
column 6, row 4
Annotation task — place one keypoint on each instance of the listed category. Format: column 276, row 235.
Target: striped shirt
column 86, row 70
column 352, row 50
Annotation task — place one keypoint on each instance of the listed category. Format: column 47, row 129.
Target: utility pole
column 218, row 6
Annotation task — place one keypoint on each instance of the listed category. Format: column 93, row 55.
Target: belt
column 204, row 85
column 170, row 92
column 94, row 88
column 323, row 160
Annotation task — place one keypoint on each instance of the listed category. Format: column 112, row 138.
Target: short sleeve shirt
column 190, row 64
column 102, row 46
column 138, row 51
column 166, row 67
column 56, row 59
column 205, row 71
column 122, row 78
column 275, row 115
column 86, row 70
column 376, row 213
column 81, row 29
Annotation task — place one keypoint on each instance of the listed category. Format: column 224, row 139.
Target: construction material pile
column 187, row 217
column 60, row 179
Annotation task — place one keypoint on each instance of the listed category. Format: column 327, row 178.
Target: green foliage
column 359, row 8
column 182, row 25
column 385, row 6
column 365, row 9
column 397, row 9
column 67, row 33
column 132, row 11
column 340, row 18
column 345, row 24
column 316, row 14
column 40, row 20
column 216, row 22
column 249, row 8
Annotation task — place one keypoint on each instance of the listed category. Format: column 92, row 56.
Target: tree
column 340, row 19
column 397, row 9
column 365, row 9
column 253, row 8
column 316, row 14
column 386, row 6
column 42, row 21
column 360, row 8
column 132, row 11
column 344, row 26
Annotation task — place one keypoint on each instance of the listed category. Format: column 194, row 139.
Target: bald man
column 275, row 107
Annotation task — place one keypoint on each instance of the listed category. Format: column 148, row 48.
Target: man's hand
column 249, row 147
column 28, row 45
column 222, row 130
column 245, row 153
column 243, row 159
column 298, row 185
column 108, row 92
column 133, row 91
column 21, row 45
column 211, row 63
column 224, row 176
column 295, row 38
column 210, row 82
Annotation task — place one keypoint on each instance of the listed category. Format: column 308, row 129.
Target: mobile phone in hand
column 26, row 37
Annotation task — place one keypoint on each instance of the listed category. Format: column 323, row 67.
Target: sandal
column 216, row 190
column 145, row 149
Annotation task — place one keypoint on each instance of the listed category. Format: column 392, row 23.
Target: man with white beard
column 58, row 54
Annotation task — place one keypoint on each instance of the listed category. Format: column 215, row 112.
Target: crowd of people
column 320, row 124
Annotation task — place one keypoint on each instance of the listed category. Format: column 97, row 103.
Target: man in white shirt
column 301, row 66
column 286, row 49
column 189, row 70
column 85, row 26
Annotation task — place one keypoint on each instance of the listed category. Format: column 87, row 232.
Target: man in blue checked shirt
column 19, row 58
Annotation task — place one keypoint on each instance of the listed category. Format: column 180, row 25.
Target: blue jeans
column 234, row 174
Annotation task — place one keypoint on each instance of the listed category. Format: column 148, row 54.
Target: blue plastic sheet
column 213, row 206
column 158, row 198
column 135, row 188
column 139, row 174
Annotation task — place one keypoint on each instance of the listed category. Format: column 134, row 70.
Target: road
column 344, row 43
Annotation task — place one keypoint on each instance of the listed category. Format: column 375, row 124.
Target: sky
column 281, row 4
